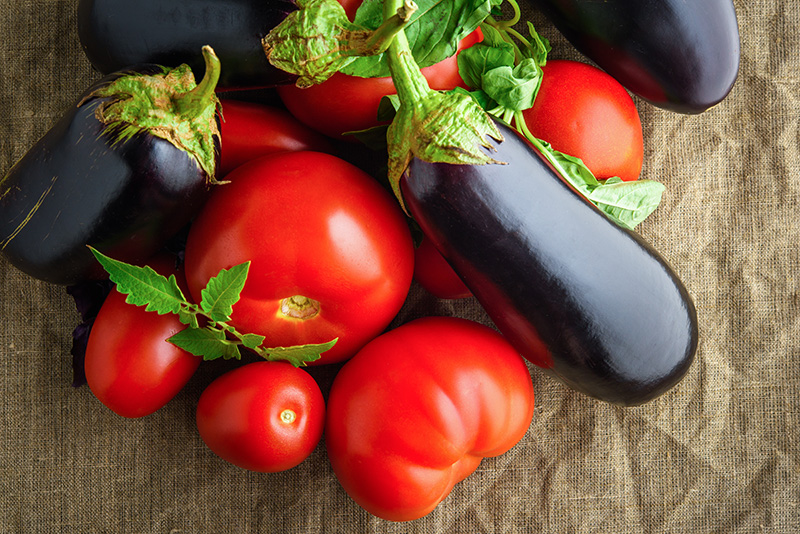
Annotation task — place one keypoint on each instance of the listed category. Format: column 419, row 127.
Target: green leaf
column 625, row 203
column 252, row 341
column 513, row 88
column 539, row 46
column 299, row 355
column 482, row 57
column 629, row 202
column 573, row 169
column 433, row 32
column 207, row 343
column 223, row 291
column 188, row 318
column 143, row 286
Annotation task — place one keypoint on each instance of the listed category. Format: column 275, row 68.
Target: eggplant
column 586, row 299
column 109, row 175
column 679, row 55
column 115, row 34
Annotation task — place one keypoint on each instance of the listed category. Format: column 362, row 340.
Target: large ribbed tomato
column 415, row 411
column 330, row 250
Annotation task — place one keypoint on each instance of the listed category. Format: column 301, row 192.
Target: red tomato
column 130, row 365
column 349, row 103
column 263, row 416
column 413, row 413
column 250, row 130
column 330, row 250
column 435, row 275
column 582, row 111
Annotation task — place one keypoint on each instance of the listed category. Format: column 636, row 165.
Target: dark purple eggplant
column 122, row 184
column 118, row 33
column 575, row 293
column 681, row 55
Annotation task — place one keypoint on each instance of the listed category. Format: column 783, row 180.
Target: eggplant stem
column 192, row 103
column 411, row 85
column 383, row 36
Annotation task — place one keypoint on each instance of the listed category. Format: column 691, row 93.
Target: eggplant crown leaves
column 443, row 127
column 137, row 103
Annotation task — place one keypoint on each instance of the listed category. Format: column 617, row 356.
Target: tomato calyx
column 300, row 307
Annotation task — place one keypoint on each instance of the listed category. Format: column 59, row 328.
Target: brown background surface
column 718, row 454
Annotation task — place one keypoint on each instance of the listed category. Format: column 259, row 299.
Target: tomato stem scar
column 288, row 416
column 300, row 307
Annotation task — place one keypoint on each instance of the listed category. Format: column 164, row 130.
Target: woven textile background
column 718, row 454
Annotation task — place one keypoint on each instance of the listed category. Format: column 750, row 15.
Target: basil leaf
column 629, row 202
column 433, row 32
column 480, row 58
column 513, row 88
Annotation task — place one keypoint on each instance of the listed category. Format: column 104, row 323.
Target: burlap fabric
column 718, row 454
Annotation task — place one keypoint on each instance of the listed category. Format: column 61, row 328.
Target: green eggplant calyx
column 440, row 127
column 318, row 40
column 434, row 126
column 169, row 105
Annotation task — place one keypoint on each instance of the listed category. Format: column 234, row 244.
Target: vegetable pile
column 380, row 143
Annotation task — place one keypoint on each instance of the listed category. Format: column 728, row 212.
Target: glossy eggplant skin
column 115, row 34
column 77, row 187
column 575, row 293
column 680, row 55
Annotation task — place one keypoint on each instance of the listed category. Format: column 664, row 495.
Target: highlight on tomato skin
column 263, row 416
column 330, row 251
column 584, row 112
column 415, row 411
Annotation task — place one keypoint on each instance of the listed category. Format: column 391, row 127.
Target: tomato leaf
column 143, row 286
column 433, row 32
column 299, row 355
column 223, row 291
column 207, row 343
column 252, row 341
column 188, row 318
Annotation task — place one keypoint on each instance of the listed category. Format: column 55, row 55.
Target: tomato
column 263, row 416
column 130, row 365
column 330, row 250
column 582, row 111
column 249, row 130
column 415, row 411
column 435, row 275
column 349, row 103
